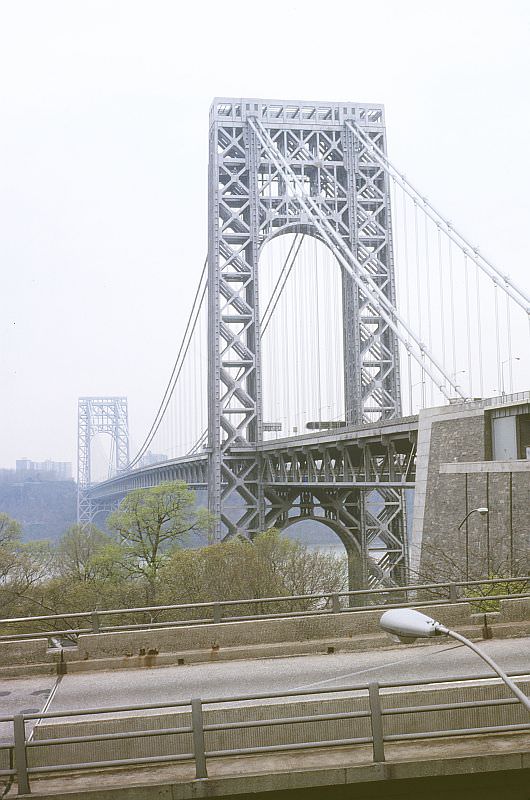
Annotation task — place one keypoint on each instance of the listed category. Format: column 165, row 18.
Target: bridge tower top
column 305, row 113
column 99, row 415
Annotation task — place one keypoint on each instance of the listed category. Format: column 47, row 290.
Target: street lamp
column 482, row 511
column 408, row 625
column 507, row 361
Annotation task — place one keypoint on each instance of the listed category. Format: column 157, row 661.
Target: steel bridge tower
column 251, row 200
column 99, row 415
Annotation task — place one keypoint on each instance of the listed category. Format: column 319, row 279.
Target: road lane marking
column 370, row 669
column 46, row 706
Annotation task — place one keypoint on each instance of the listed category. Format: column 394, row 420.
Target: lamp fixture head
column 408, row 624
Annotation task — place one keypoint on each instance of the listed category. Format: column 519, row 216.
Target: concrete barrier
column 349, row 630
column 263, row 735
column 26, row 651
column 243, row 634
column 515, row 610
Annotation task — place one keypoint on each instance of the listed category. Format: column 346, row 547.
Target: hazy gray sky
column 103, row 165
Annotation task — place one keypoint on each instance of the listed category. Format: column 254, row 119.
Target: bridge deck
column 475, row 759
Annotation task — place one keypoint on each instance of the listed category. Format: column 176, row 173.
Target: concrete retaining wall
column 278, row 734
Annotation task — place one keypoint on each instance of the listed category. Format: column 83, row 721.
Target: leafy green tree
column 24, row 568
column 151, row 521
column 10, row 536
column 88, row 554
column 271, row 565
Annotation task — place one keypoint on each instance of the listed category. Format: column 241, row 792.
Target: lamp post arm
column 508, row 681
column 465, row 518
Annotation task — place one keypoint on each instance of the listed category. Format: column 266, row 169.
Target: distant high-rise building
column 44, row 470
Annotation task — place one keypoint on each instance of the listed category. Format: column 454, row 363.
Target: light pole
column 408, row 625
column 507, row 361
column 482, row 511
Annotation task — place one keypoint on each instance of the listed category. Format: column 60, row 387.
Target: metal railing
column 198, row 730
column 315, row 604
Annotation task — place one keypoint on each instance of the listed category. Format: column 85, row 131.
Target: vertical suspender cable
column 409, row 370
column 442, row 309
column 428, row 286
column 203, row 377
column 276, row 359
column 283, row 394
column 418, row 269
column 452, row 305
column 498, row 340
column 479, row 333
column 313, row 384
column 295, row 332
column 509, row 342
column 407, row 286
column 419, row 295
column 317, row 313
column 305, row 327
column 328, row 333
column 179, row 412
column 288, row 365
column 406, row 256
column 396, row 239
column 170, row 432
column 271, row 343
column 359, row 272
column 468, row 327
column 198, row 380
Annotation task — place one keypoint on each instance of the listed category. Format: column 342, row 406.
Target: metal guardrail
column 323, row 603
column 200, row 754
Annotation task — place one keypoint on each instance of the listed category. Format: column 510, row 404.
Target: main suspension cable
column 280, row 283
column 177, row 366
column 354, row 268
column 511, row 288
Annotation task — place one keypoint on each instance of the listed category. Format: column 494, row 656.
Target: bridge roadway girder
column 352, row 480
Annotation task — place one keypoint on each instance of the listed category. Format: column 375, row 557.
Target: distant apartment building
column 152, row 458
column 43, row 470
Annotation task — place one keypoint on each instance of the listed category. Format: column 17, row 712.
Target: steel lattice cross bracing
column 252, row 200
column 99, row 415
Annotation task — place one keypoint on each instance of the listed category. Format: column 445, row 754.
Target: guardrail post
column 453, row 593
column 335, row 604
column 376, row 721
column 95, row 621
column 21, row 761
column 198, row 739
column 217, row 613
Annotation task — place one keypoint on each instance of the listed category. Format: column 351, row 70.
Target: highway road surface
column 232, row 678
